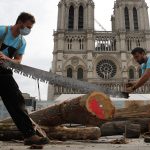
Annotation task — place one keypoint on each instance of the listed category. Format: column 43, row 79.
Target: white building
column 101, row 57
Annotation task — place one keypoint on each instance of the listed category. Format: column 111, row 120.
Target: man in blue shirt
column 140, row 57
column 12, row 47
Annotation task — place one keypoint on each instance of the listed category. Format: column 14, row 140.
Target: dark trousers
column 14, row 102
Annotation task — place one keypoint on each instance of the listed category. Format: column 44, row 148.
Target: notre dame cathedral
column 101, row 57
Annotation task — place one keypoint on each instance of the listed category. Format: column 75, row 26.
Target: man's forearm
column 13, row 60
column 16, row 60
column 142, row 81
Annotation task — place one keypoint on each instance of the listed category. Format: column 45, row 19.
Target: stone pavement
column 102, row 144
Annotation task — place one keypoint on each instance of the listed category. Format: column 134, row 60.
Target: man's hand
column 130, row 84
column 130, row 87
column 2, row 56
column 17, row 59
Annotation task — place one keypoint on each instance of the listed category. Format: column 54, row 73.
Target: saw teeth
column 57, row 80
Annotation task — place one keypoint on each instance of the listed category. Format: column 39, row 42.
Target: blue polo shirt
column 146, row 65
column 11, row 43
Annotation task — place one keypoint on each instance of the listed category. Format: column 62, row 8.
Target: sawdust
column 119, row 141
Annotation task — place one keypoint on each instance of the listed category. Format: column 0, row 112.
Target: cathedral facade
column 100, row 57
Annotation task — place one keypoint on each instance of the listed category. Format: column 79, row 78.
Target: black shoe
column 41, row 141
column 147, row 137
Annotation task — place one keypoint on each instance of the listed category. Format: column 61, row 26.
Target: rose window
column 106, row 69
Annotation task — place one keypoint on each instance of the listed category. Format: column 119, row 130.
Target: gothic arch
column 80, row 66
column 82, row 2
column 131, row 72
column 69, row 72
column 127, row 22
column 71, row 18
column 135, row 19
column 80, row 73
column 75, row 64
column 70, row 3
column 80, row 17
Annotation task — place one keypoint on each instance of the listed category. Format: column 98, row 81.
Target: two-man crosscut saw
column 58, row 80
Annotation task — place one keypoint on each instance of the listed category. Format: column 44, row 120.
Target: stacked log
column 94, row 109
column 126, row 128
column 91, row 109
column 8, row 131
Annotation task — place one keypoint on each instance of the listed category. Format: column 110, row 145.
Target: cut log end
column 100, row 105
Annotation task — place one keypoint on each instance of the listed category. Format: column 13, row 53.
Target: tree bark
column 128, row 129
column 10, row 132
column 134, row 111
column 76, row 133
column 93, row 108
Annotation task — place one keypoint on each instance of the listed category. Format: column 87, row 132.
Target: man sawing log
column 12, row 47
column 139, row 55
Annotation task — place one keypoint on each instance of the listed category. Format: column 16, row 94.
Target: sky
column 39, row 48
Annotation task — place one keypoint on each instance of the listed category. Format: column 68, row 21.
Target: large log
column 91, row 109
column 128, row 129
column 10, row 132
column 76, row 133
column 133, row 127
column 95, row 109
column 134, row 111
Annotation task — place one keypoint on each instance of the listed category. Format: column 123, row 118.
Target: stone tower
column 101, row 57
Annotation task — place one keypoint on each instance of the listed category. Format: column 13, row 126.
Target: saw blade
column 58, row 80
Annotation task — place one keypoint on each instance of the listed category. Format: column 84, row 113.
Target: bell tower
column 73, row 40
column 130, row 15
column 75, row 15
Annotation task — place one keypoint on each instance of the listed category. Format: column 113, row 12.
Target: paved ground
column 134, row 144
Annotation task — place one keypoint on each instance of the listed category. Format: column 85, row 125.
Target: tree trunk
column 128, row 129
column 134, row 111
column 91, row 109
column 94, row 109
column 76, row 133
column 10, row 132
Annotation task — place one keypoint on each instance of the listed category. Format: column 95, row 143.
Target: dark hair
column 23, row 17
column 138, row 50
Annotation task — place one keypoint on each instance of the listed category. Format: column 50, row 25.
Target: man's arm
column 145, row 77
column 17, row 59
